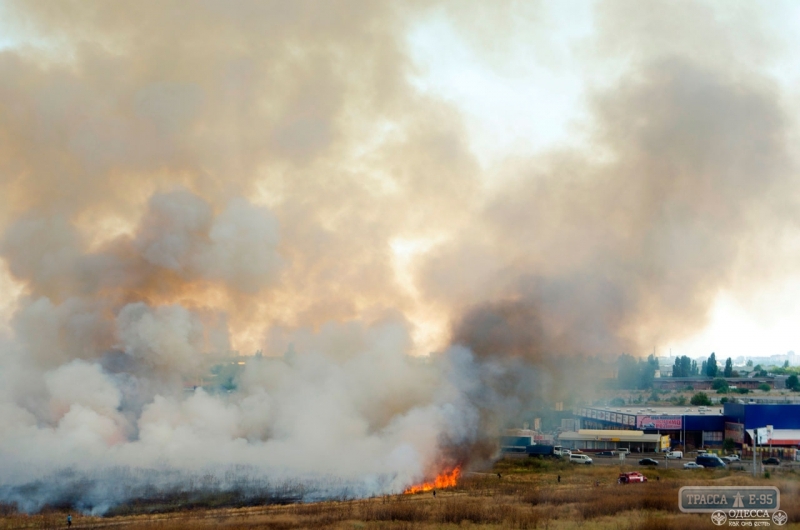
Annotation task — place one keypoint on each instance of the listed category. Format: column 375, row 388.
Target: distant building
column 705, row 383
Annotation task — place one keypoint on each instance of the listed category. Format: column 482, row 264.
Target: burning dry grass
column 527, row 495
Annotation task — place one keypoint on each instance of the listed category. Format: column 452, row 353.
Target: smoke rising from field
column 181, row 181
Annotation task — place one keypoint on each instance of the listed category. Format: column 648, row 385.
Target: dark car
column 605, row 453
column 771, row 461
column 647, row 462
column 709, row 460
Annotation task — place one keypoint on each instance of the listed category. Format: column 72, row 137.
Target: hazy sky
column 393, row 184
column 530, row 96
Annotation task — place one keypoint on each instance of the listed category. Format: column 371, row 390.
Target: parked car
column 675, row 454
column 580, row 459
column 648, row 462
column 692, row 465
column 624, row 450
column 771, row 461
column 734, row 457
column 605, row 453
column 632, row 476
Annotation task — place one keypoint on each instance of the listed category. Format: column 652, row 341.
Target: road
column 677, row 463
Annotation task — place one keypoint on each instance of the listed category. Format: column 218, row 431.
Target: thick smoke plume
column 179, row 182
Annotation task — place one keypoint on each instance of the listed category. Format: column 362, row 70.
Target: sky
column 424, row 215
column 520, row 82
column 528, row 101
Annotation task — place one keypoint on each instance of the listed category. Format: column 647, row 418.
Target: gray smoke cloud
column 179, row 182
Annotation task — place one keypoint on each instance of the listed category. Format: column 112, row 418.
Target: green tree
column 694, row 370
column 633, row 373
column 681, row 401
column 743, row 390
column 627, row 371
column 723, row 400
column 719, row 384
column 703, row 368
column 701, row 398
column 786, row 363
column 711, row 365
column 728, row 368
column 647, row 372
column 765, row 387
column 750, row 363
column 617, row 402
column 683, row 367
column 728, row 445
column 792, row 383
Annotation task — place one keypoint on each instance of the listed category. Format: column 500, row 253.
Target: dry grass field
column 528, row 495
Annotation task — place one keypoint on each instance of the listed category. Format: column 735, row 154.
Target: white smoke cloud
column 168, row 337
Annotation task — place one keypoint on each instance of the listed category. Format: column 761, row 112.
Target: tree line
column 686, row 367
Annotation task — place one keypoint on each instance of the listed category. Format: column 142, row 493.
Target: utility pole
column 755, row 444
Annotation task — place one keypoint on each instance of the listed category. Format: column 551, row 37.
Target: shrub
column 701, row 398
column 719, row 384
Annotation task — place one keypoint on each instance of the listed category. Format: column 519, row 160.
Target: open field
column 528, row 495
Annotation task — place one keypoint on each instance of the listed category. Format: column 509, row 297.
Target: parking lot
column 664, row 463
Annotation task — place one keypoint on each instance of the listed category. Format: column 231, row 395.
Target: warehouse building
column 779, row 424
column 688, row 427
column 699, row 427
column 592, row 439
column 706, row 383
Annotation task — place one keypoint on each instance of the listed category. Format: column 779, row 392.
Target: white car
column 692, row 465
column 580, row 459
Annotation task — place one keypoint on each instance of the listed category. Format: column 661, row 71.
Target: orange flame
column 444, row 480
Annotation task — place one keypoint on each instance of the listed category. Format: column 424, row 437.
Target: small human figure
column 69, row 520
column 499, row 475
column 559, row 479
column 658, row 478
column 434, row 493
